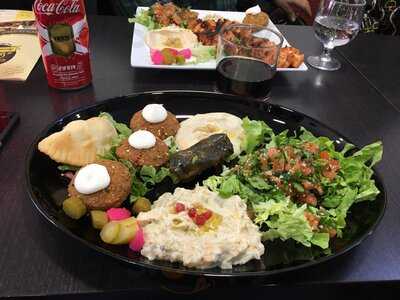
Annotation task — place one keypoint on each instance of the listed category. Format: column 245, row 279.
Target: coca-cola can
column 64, row 38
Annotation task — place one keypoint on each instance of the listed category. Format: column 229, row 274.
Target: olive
column 180, row 60
column 74, row 208
column 99, row 218
column 141, row 205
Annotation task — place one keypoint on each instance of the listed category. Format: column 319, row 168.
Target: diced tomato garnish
column 329, row 174
column 311, row 147
column 192, row 213
column 207, row 214
column 308, row 198
column 278, row 165
column 272, row 152
column 307, row 185
column 295, row 167
column 312, row 219
column 200, row 220
column 179, row 207
column 324, row 155
column 331, row 169
column 289, row 151
column 311, row 199
column 334, row 165
column 306, row 170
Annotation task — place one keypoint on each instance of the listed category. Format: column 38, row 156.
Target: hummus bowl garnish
column 200, row 229
column 171, row 37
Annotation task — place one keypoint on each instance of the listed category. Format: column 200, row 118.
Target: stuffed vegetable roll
column 207, row 153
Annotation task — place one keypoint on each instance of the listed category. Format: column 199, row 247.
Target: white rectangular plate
column 140, row 54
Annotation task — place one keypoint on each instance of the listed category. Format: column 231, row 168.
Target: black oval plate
column 47, row 188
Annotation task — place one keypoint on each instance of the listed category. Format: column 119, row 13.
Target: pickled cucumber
column 109, row 232
column 99, row 218
column 180, row 60
column 74, row 208
column 119, row 232
column 169, row 57
column 142, row 204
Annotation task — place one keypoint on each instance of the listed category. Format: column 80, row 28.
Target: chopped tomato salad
column 299, row 186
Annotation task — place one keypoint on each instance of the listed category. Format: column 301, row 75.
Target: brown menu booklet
column 19, row 45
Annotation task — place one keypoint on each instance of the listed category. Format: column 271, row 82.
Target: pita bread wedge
column 80, row 142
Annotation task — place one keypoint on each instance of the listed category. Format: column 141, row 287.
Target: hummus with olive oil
column 171, row 231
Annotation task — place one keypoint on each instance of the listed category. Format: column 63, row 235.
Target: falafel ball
column 162, row 130
column 155, row 156
column 114, row 194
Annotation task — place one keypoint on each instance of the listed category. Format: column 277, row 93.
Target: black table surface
column 37, row 259
column 377, row 57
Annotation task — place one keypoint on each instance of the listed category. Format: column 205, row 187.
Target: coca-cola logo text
column 59, row 8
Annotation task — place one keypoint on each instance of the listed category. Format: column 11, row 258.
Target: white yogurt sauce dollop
column 92, row 178
column 154, row 113
column 142, row 139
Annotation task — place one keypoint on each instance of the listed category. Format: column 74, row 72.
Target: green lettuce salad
column 298, row 187
column 145, row 18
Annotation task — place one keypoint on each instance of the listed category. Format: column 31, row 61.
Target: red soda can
column 64, row 38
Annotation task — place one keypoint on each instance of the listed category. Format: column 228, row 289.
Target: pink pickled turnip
column 186, row 53
column 138, row 241
column 156, row 57
column 115, row 214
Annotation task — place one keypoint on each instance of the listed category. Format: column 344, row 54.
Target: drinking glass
column 336, row 24
column 247, row 56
